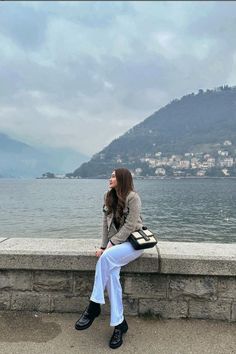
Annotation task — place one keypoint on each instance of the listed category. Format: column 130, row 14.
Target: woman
column 122, row 206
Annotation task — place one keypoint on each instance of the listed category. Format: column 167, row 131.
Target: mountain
column 195, row 123
column 9, row 145
column 18, row 159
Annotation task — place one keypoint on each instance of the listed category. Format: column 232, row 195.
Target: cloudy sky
column 79, row 74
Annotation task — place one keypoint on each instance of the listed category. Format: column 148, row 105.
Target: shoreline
column 135, row 178
column 148, row 178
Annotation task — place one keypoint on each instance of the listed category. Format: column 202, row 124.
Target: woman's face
column 112, row 180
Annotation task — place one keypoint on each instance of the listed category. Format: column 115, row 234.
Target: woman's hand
column 99, row 252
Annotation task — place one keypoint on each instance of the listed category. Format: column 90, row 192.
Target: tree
column 48, row 175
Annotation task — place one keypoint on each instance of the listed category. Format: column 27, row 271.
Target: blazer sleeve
column 134, row 205
column 104, row 228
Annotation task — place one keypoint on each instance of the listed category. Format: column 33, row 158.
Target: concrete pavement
column 40, row 333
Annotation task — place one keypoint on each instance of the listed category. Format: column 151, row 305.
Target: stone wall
column 173, row 280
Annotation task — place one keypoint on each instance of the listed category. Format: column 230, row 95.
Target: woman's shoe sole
column 116, row 346
column 80, row 328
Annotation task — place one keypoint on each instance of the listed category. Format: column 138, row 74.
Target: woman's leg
column 104, row 266
column 108, row 275
column 114, row 291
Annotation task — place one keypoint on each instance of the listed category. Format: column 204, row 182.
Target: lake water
column 176, row 209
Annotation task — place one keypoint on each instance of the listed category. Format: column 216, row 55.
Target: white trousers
column 107, row 276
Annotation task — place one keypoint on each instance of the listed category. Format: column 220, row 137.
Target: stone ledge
column 64, row 254
column 197, row 258
column 78, row 254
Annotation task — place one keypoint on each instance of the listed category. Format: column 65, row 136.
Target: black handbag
column 142, row 239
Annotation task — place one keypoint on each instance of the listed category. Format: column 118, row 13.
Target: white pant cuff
column 97, row 301
column 117, row 323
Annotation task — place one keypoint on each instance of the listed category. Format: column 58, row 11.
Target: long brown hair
column 115, row 199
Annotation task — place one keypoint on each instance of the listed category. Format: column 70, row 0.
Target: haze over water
column 191, row 210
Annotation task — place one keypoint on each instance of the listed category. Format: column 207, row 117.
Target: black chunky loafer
column 116, row 338
column 92, row 311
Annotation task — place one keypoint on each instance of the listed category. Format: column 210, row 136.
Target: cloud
column 26, row 26
column 80, row 74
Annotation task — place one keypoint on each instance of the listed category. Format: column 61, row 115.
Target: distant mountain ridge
column 8, row 144
column 193, row 123
column 18, row 159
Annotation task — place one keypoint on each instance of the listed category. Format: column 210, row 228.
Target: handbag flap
column 148, row 232
column 136, row 234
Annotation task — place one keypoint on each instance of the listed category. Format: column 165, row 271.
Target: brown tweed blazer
column 130, row 221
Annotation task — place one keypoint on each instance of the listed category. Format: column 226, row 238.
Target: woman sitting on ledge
column 122, row 206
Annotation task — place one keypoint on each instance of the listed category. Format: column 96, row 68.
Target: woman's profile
column 122, row 207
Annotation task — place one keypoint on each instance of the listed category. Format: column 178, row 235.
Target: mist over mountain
column 197, row 123
column 18, row 159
